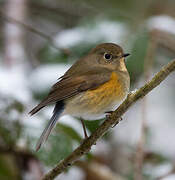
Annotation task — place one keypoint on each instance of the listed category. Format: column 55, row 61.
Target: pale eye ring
column 107, row 56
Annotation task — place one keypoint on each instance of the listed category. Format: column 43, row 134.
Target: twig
column 95, row 170
column 139, row 155
column 164, row 39
column 112, row 119
column 17, row 152
column 25, row 156
column 35, row 31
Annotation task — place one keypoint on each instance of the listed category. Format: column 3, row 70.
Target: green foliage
column 40, row 95
column 135, row 62
column 81, row 49
column 155, row 158
column 56, row 148
column 10, row 131
column 8, row 168
column 69, row 131
column 51, row 55
column 59, row 144
column 92, row 125
column 15, row 105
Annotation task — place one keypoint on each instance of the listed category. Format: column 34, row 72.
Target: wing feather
column 70, row 86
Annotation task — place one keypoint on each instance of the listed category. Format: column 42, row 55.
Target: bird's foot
column 108, row 113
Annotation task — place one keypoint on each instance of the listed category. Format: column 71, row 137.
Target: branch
column 164, row 39
column 33, row 30
column 26, row 158
column 17, row 152
column 113, row 119
column 95, row 170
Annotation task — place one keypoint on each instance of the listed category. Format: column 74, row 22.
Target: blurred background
column 39, row 40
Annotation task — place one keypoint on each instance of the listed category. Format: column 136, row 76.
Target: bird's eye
column 108, row 56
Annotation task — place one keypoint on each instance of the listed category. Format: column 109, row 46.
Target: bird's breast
column 97, row 101
column 107, row 92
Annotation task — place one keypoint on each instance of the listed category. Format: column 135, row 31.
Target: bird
column 94, row 85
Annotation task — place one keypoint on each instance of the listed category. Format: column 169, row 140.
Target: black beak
column 125, row 55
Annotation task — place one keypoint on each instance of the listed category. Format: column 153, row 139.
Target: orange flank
column 107, row 93
column 98, row 101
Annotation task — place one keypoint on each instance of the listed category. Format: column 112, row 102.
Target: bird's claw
column 108, row 113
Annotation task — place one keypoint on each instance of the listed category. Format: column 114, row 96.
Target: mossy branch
column 113, row 119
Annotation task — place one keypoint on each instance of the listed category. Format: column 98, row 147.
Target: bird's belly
column 93, row 104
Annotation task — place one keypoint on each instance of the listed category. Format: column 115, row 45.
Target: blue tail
column 59, row 107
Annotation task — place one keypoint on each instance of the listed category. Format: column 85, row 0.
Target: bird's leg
column 108, row 113
column 107, row 116
column 84, row 128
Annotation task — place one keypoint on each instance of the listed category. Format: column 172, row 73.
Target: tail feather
column 36, row 109
column 42, row 104
column 45, row 134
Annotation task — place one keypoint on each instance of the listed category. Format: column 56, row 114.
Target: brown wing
column 68, row 87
